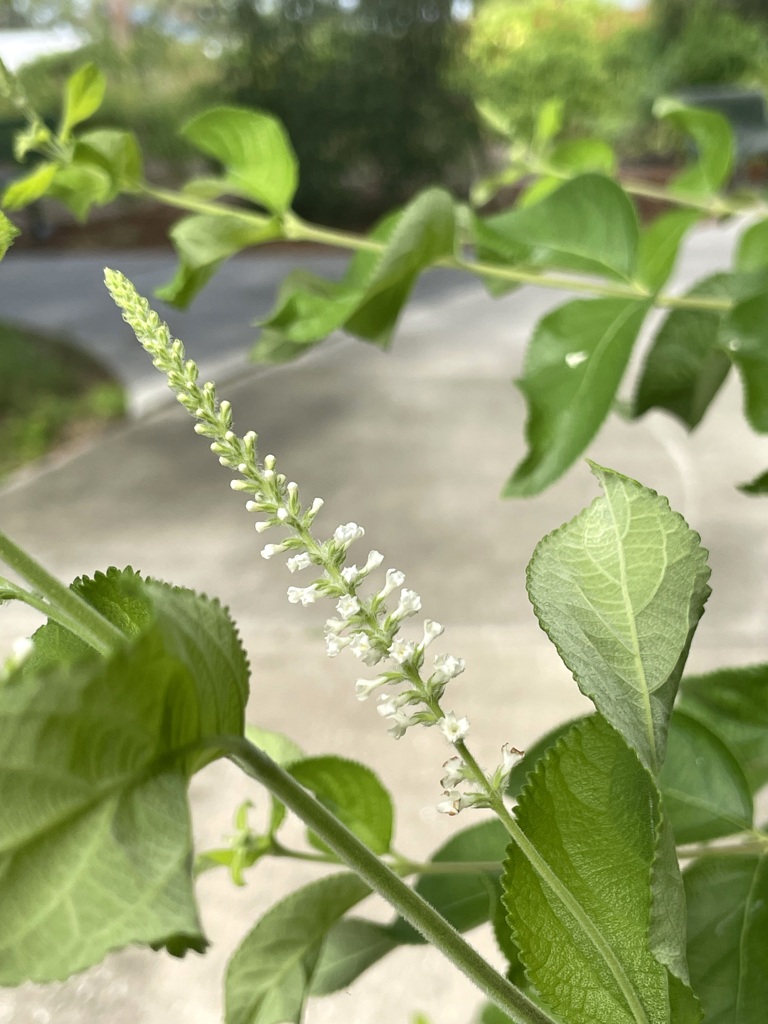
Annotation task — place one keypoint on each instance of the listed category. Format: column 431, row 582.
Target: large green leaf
column 733, row 704
column 573, row 367
column 592, row 813
column 728, row 937
column 369, row 299
column 81, row 185
column 269, row 975
column 83, row 94
column 352, row 946
column 587, row 225
column 752, row 249
column 706, row 793
column 713, row 136
column 465, row 900
column 95, row 754
column 353, row 793
column 255, row 150
column 619, row 590
column 686, row 364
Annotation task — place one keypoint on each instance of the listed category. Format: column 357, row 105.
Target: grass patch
column 51, row 394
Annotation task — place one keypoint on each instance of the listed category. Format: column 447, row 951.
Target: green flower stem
column 384, row 881
column 60, row 603
column 560, row 890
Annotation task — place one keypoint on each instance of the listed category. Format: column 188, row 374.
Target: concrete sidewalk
column 415, row 445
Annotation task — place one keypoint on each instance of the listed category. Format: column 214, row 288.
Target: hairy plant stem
column 59, row 602
column 400, row 865
column 756, row 846
column 383, row 880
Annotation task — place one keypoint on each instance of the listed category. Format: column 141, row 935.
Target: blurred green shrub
column 366, row 97
column 522, row 52
column 707, row 44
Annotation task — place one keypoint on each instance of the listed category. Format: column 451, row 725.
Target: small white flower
column 335, row 625
column 365, row 687
column 446, row 667
column 350, row 574
column 270, row 550
column 360, row 645
column 453, row 729
column 292, row 488
column 402, row 651
column 454, row 773
column 394, row 579
column 432, row 630
column 348, row 606
column 282, row 514
column 400, row 722
column 348, row 533
column 451, row 803
column 262, row 528
column 268, row 474
column 335, row 644
column 375, row 558
column 388, row 708
column 300, row 561
column 303, row 595
column 409, row 604
column 510, row 756
column 317, row 504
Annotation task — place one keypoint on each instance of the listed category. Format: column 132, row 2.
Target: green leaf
column 752, row 249
column 83, row 95
column 255, row 151
column 582, row 156
column 369, row 299
column 573, row 367
column 95, row 755
column 727, row 901
column 79, row 186
column 464, row 900
column 757, row 486
column 659, row 246
column 185, row 284
column 733, row 704
column 746, row 331
column 686, row 367
column 198, row 632
column 619, row 590
column 592, row 813
column 33, row 137
column 114, row 151
column 269, row 975
column 706, row 793
column 352, row 946
column 713, row 136
column 353, row 793
column 587, row 225
column 549, row 122
column 8, row 232
column 204, row 242
column 32, row 186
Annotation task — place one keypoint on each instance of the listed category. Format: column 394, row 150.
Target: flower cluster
column 410, row 691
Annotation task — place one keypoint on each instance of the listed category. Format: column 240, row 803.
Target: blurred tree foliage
column 365, row 93
column 587, row 52
column 703, row 42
